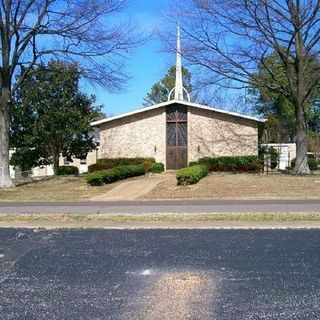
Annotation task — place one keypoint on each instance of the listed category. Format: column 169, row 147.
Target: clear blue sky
column 146, row 65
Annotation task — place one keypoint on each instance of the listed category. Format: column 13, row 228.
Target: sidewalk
column 130, row 190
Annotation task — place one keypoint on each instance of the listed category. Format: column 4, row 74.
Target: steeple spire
column 178, row 94
column 179, row 88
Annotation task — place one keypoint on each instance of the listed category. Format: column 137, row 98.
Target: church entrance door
column 177, row 137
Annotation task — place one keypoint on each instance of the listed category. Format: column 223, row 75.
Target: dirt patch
column 241, row 186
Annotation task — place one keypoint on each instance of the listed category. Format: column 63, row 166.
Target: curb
column 272, row 225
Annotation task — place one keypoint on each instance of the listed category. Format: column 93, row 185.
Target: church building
column 177, row 131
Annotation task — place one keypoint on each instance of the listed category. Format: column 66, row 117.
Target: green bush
column 117, row 162
column 270, row 151
column 193, row 163
column 67, row 170
column 312, row 163
column 234, row 164
column 157, row 167
column 98, row 167
column 95, row 178
column 111, row 175
column 191, row 175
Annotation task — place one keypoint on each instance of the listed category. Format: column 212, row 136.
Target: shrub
column 67, row 170
column 235, row 164
column 270, row 151
column 312, row 163
column 157, row 167
column 191, row 175
column 147, row 164
column 98, row 167
column 111, row 175
column 95, row 178
column 117, row 162
column 193, row 163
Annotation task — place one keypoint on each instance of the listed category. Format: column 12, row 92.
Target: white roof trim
column 163, row 104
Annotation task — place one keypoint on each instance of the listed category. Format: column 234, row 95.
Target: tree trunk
column 5, row 180
column 301, row 166
column 55, row 162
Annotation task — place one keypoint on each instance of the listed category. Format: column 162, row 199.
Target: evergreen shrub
column 234, row 164
column 116, row 162
column 98, row 178
column 191, row 175
column 193, row 163
column 157, row 167
column 98, row 167
column 270, row 151
column 67, row 170
column 95, row 178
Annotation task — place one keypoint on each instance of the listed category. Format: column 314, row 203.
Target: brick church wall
column 209, row 134
column 215, row 134
column 139, row 135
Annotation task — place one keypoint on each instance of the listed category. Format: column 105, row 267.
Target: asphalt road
column 175, row 206
column 159, row 274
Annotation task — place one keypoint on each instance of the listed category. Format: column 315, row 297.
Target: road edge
column 163, row 225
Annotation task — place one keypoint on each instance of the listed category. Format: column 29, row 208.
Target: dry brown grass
column 214, row 217
column 241, row 186
column 214, row 186
column 60, row 188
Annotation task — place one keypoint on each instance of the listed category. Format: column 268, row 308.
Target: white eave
column 164, row 104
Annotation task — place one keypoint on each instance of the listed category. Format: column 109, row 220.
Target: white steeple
column 179, row 88
column 178, row 94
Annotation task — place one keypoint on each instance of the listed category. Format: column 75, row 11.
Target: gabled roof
column 167, row 103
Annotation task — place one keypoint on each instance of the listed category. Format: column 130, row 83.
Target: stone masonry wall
column 214, row 134
column 140, row 135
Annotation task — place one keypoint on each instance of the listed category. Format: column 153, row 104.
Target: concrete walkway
column 133, row 189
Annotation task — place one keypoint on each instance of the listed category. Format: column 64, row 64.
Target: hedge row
column 109, row 163
column 191, row 175
column 98, row 178
column 116, row 162
column 67, row 170
column 235, row 164
column 98, row 167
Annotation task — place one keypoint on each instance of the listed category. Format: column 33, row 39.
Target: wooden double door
column 177, row 137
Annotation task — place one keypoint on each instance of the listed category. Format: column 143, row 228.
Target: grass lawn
column 223, row 217
column 60, row 188
column 241, row 186
column 214, row 186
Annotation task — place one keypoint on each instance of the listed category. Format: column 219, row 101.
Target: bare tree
column 85, row 32
column 230, row 38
